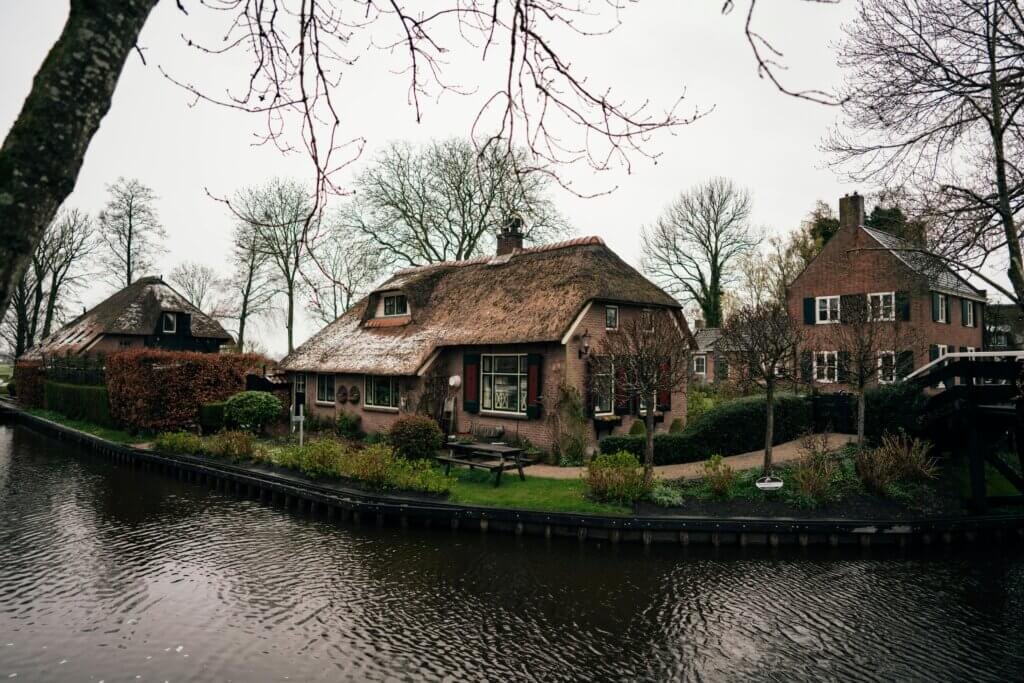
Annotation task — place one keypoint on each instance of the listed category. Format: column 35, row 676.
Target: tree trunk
column 769, row 427
column 291, row 315
column 860, row 418
column 649, row 441
column 43, row 152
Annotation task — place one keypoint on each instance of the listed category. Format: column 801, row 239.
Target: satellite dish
column 455, row 381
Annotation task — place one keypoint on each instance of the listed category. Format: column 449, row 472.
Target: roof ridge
column 589, row 240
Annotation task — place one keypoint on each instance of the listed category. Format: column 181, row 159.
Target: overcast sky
column 764, row 140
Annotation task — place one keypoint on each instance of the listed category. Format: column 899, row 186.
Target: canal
column 113, row 574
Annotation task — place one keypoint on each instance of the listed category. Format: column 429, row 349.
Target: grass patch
column 475, row 487
column 995, row 483
column 108, row 433
column 6, row 371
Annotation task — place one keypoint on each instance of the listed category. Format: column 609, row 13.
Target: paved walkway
column 781, row 454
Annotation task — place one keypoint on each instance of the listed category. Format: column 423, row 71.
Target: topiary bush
column 415, row 437
column 211, row 417
column 616, row 477
column 251, row 410
column 638, row 428
column 347, row 425
column 79, row 402
column 676, row 427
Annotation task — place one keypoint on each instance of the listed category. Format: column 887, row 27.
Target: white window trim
column 970, row 317
column 892, row 309
column 164, row 317
column 943, row 309
column 611, row 396
column 520, row 357
column 826, row 380
column 703, row 357
column 394, row 296
column 394, row 392
column 882, row 380
column 300, row 379
column 817, row 310
column 334, row 386
column 606, row 310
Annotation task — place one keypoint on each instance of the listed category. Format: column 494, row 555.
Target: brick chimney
column 510, row 238
column 851, row 211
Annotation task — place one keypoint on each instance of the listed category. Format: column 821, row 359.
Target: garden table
column 493, row 457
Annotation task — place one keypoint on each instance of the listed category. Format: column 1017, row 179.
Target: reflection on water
column 109, row 573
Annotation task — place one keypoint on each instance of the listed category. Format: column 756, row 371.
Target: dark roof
column 531, row 295
column 939, row 275
column 134, row 310
column 707, row 337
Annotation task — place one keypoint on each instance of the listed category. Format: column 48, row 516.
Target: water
column 112, row 574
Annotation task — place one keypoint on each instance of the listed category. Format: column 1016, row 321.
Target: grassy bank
column 110, row 434
column 474, row 487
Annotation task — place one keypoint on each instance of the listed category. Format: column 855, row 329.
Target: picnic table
column 493, row 457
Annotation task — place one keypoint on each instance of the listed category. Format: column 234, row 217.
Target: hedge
column 79, row 402
column 28, row 378
column 891, row 409
column 211, row 417
column 730, row 428
column 161, row 391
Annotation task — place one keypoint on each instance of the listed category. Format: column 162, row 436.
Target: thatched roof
column 134, row 310
column 532, row 295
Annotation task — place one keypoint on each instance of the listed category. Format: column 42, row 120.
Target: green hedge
column 79, row 402
column 891, row 409
column 211, row 417
column 730, row 428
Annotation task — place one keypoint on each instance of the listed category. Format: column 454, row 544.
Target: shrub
column 29, row 380
column 181, row 442
column 665, row 495
column 251, row 410
column 370, row 465
column 79, row 402
column 616, row 477
column 233, row 445
column 718, row 475
column 417, row 475
column 415, row 436
column 892, row 409
column 156, row 390
column 676, row 427
column 322, row 458
column 876, row 469
column 211, row 417
column 910, row 457
column 815, row 471
column 638, row 428
column 347, row 425
column 289, row 456
column 375, row 438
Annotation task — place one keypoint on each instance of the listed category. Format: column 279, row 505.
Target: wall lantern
column 584, row 349
column 455, row 381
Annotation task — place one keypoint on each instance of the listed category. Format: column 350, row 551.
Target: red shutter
column 471, row 382
column 533, row 385
column 665, row 395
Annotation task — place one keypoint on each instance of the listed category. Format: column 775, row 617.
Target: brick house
column 485, row 343
column 148, row 313
column 1004, row 327
column 707, row 365
column 938, row 310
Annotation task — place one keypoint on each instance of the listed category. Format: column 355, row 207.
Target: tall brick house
column 491, row 338
column 936, row 309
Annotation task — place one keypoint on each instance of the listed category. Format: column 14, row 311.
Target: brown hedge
column 153, row 390
column 28, row 383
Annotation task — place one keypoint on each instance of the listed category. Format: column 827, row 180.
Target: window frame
column 943, row 308
column 970, row 322
column 334, row 389
column 394, row 298
column 702, row 357
column 611, row 391
column 522, row 387
column 300, row 379
column 828, row 309
column 881, row 377
column 164, row 317
column 891, row 317
column 834, row 365
column 610, row 309
column 369, row 395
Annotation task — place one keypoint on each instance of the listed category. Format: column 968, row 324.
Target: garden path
column 781, row 454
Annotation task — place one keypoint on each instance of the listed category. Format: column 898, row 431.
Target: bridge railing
column 941, row 361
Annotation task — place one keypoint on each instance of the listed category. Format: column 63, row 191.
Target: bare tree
column 445, row 201
column 201, row 286
column 934, row 103
column 693, row 249
column 130, row 231
column 649, row 357
column 279, row 212
column 250, row 286
column 348, row 266
column 760, row 342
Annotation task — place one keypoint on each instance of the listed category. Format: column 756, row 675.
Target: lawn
column 474, row 487
column 110, row 434
column 996, row 483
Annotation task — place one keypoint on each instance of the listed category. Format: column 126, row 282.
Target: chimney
column 851, row 211
column 510, row 238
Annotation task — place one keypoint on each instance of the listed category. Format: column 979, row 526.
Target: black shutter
column 471, row 382
column 904, row 363
column 935, row 307
column 933, row 352
column 808, row 310
column 903, row 306
column 806, row 366
column 949, row 309
column 843, row 367
column 964, row 305
column 534, row 382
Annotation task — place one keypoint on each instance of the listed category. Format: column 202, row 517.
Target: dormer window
column 395, row 304
column 170, row 323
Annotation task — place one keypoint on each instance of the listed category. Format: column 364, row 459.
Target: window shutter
column 665, row 395
column 471, row 382
column 933, row 352
column 843, row 367
column 904, row 363
column 964, row 305
column 808, row 310
column 533, row 385
column 623, row 406
column 949, row 309
column 903, row 306
column 806, row 366
column 935, row 307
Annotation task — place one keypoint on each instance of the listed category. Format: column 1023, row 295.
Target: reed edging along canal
column 335, row 501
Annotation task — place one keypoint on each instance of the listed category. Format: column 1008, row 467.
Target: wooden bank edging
column 345, row 503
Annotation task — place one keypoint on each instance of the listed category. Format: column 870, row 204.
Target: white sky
column 762, row 139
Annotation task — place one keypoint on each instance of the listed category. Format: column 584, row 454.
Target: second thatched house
column 485, row 344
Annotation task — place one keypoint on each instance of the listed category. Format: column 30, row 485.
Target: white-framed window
column 700, row 364
column 882, row 306
column 299, row 383
column 942, row 349
column 943, row 308
column 886, row 367
column 604, row 389
column 325, row 389
column 969, row 311
column 503, row 378
column 380, row 391
column 396, row 304
column 825, row 366
column 611, row 317
column 827, row 308
column 169, row 323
